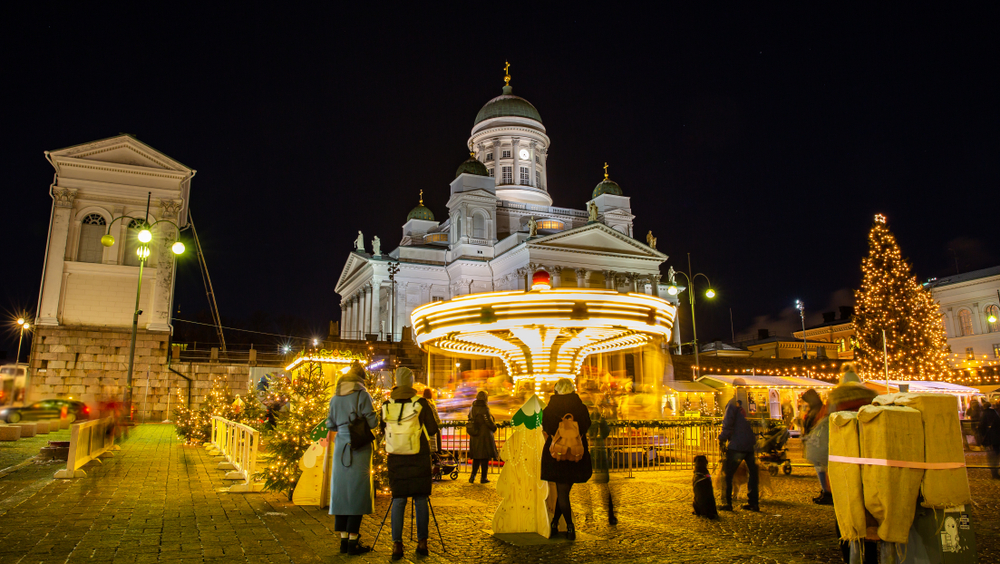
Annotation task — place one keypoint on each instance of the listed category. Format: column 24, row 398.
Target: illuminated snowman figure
column 524, row 508
column 949, row 536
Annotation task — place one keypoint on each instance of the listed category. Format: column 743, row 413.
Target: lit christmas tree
column 308, row 396
column 253, row 412
column 892, row 300
column 380, row 466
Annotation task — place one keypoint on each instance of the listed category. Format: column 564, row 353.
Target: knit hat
column 847, row 373
column 404, row 377
column 481, row 395
column 564, row 386
column 812, row 398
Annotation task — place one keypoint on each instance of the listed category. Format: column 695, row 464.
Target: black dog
column 704, row 495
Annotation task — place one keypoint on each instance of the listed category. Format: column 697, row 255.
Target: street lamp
column 24, row 327
column 145, row 236
column 673, row 290
column 393, row 271
column 802, row 313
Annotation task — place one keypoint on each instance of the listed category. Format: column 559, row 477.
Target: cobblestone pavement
column 160, row 501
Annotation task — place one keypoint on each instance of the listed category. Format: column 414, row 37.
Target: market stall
column 774, row 397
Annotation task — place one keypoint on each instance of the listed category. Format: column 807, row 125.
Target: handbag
column 472, row 428
column 361, row 433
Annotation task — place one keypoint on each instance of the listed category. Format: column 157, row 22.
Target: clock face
column 524, row 154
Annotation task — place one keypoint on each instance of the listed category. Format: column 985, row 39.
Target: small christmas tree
column 308, row 404
column 890, row 299
column 380, row 464
column 252, row 413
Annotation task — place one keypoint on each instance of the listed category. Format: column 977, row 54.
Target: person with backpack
column 482, row 446
column 565, row 456
column 352, row 494
column 408, row 422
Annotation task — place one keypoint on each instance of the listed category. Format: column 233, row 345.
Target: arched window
column 964, row 323
column 132, row 242
column 91, row 232
column 994, row 311
column 478, row 226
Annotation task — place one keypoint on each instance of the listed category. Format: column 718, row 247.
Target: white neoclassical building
column 968, row 301
column 500, row 227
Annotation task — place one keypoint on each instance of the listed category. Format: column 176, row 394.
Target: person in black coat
column 482, row 446
column 989, row 430
column 410, row 474
column 565, row 473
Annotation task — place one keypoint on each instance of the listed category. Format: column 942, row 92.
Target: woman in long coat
column 565, row 473
column 351, row 488
column 482, row 446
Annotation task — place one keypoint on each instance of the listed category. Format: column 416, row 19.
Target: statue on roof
column 359, row 243
column 532, row 227
column 376, row 247
column 650, row 240
column 672, row 276
column 591, row 212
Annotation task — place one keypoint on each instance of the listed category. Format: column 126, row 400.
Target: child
column 704, row 495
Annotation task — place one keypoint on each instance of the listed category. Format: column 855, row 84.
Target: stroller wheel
column 787, row 468
column 773, row 469
column 454, row 475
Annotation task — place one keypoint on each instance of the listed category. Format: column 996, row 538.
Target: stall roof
column 986, row 390
column 684, row 386
column 720, row 381
column 927, row 386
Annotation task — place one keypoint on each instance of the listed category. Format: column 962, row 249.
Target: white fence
column 238, row 444
column 88, row 441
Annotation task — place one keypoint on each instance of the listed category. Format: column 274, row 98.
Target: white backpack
column 402, row 427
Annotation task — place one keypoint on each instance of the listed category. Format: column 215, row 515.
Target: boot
column 749, row 507
column 570, row 532
column 343, row 545
column 354, row 547
column 397, row 550
column 554, row 528
column 472, row 479
column 826, row 498
column 612, row 520
column 422, row 547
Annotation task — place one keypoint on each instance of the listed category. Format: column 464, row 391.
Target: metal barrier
column 238, row 443
column 88, row 441
column 632, row 446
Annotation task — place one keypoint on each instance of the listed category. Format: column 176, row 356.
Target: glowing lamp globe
column 541, row 280
column 177, row 248
column 672, row 290
column 992, row 319
column 107, row 240
column 710, row 293
column 142, row 251
column 20, row 321
column 145, row 236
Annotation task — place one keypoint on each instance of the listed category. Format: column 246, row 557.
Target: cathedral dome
column 472, row 166
column 507, row 105
column 421, row 211
column 607, row 186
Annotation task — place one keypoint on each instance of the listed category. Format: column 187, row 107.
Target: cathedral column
column 532, row 157
column 366, row 312
column 556, row 273
column 655, row 281
column 581, row 278
column 517, row 173
column 62, row 209
column 163, row 289
column 376, row 316
column 545, row 168
column 609, row 279
column 345, row 318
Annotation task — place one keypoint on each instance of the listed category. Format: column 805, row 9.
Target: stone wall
column 91, row 363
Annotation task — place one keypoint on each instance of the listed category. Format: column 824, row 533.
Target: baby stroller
column 771, row 450
column 443, row 463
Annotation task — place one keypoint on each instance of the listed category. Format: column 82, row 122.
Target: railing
column 238, row 443
column 632, row 446
column 88, row 441
column 184, row 352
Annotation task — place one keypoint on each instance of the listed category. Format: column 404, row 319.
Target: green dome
column 420, row 212
column 607, row 186
column 507, row 105
column 472, row 166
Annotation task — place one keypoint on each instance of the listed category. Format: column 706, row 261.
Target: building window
column 994, row 327
column 550, row 224
column 91, row 232
column 478, row 226
column 489, row 157
column 970, row 354
column 996, row 350
column 132, row 241
column 491, row 171
column 964, row 323
column 538, row 179
column 436, row 238
column 507, row 175
column 505, row 154
column 525, row 176
column 538, row 159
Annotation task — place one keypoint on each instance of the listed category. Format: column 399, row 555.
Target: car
column 46, row 409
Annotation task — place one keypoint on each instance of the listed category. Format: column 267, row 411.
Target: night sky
column 761, row 142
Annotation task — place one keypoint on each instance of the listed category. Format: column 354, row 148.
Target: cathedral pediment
column 121, row 150
column 596, row 238
column 355, row 263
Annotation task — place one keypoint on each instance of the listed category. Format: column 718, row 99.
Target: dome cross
column 605, row 171
column 506, row 72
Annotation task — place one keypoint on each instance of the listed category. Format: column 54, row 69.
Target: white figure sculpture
column 650, row 240
column 376, row 247
column 672, row 276
column 532, row 227
column 591, row 211
column 359, row 243
column 525, row 504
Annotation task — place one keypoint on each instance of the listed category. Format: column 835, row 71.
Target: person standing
column 737, row 441
column 435, row 439
column 989, row 430
column 352, row 494
column 409, row 423
column 482, row 446
column 601, row 460
column 816, row 443
column 565, row 472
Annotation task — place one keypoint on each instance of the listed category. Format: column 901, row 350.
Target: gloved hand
column 722, row 446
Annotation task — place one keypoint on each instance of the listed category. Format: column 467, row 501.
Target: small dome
column 607, row 186
column 507, row 105
column 472, row 166
column 421, row 211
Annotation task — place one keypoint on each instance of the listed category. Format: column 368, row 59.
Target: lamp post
column 802, row 313
column 145, row 236
column 393, row 271
column 710, row 293
column 24, row 326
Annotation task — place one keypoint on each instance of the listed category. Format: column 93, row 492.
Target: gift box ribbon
column 897, row 463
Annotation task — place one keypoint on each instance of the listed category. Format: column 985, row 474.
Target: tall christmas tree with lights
column 891, row 300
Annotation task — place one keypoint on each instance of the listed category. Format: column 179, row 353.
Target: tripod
column 412, row 510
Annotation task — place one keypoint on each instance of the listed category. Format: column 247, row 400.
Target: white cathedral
column 501, row 228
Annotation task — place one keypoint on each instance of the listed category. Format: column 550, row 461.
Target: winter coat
column 410, row 474
column 483, row 446
column 351, row 488
column 565, row 471
column 989, row 429
column 736, row 429
column 598, row 435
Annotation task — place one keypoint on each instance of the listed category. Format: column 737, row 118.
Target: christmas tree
column 380, row 467
column 252, row 412
column 308, row 398
column 890, row 299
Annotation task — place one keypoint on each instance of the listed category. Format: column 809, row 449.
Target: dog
column 704, row 495
column 740, row 478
